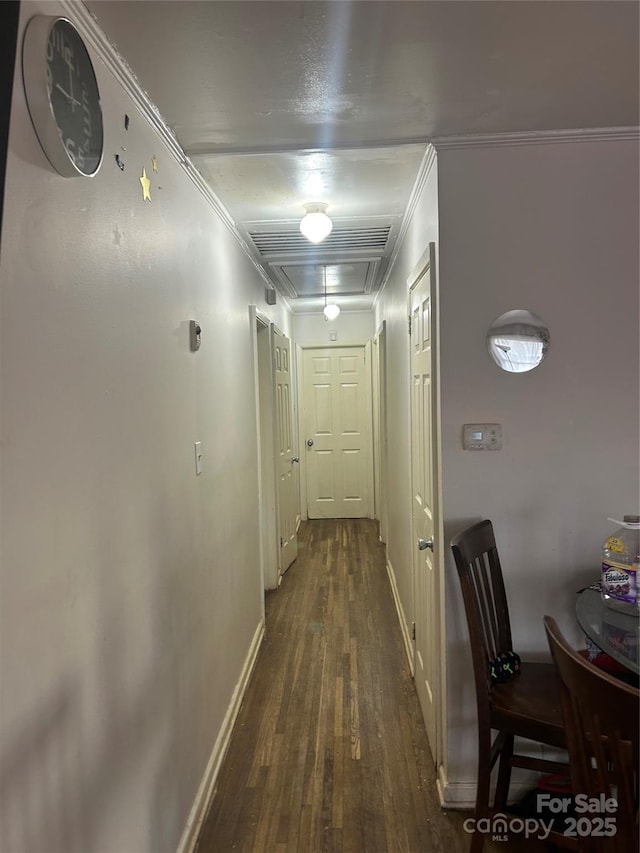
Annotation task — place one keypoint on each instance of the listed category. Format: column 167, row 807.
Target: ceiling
column 282, row 103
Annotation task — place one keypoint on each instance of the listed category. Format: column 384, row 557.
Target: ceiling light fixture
column 315, row 224
column 330, row 311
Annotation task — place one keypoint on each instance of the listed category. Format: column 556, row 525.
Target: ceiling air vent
column 372, row 239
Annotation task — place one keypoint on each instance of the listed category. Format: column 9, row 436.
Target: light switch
column 482, row 436
column 333, row 335
column 198, row 449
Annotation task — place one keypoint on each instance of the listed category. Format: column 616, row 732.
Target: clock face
column 75, row 100
column 62, row 95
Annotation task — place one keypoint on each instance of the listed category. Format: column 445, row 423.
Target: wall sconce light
column 315, row 224
column 330, row 311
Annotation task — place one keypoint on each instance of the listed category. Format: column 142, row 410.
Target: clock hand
column 72, row 99
column 69, row 97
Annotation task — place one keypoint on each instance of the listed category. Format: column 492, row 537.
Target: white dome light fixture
column 315, row 224
column 332, row 310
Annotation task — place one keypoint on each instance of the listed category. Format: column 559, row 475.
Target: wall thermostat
column 482, row 436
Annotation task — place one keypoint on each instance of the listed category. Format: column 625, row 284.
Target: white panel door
column 337, row 432
column 286, row 458
column 422, row 487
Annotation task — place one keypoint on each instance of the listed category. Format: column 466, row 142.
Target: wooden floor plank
column 329, row 751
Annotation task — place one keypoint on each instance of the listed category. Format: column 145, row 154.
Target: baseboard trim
column 404, row 627
column 206, row 790
column 455, row 795
column 462, row 795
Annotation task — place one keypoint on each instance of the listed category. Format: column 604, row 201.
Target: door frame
column 428, row 260
column 300, row 350
column 379, row 402
column 260, row 326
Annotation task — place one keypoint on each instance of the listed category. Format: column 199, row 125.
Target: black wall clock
column 62, row 96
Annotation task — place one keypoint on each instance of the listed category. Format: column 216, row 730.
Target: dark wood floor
column 329, row 752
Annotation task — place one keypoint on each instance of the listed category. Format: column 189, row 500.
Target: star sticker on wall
column 146, row 184
column 154, row 163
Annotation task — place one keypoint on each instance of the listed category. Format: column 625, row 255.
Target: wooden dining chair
column 601, row 716
column 526, row 706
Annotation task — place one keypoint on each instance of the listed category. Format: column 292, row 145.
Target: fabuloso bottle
column 621, row 566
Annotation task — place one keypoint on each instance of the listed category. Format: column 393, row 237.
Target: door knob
column 295, row 458
column 423, row 544
column 309, row 442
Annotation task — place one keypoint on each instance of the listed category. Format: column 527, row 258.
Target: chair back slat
column 488, row 600
column 601, row 719
column 478, row 565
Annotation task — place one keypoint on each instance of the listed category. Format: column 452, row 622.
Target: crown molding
column 428, row 163
column 541, row 137
column 119, row 69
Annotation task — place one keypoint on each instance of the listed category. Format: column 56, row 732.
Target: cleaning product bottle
column 621, row 566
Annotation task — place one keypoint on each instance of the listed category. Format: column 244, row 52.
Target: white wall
column 130, row 589
column 349, row 326
column 552, row 228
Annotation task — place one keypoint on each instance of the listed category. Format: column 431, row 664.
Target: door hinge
column 413, row 630
column 281, row 541
column 409, row 325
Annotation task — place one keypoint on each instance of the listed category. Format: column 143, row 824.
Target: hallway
column 329, row 751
